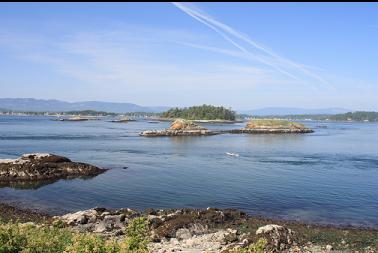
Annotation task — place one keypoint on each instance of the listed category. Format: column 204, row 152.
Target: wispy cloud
column 263, row 55
column 139, row 63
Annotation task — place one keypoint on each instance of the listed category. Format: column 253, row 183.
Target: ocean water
column 328, row 177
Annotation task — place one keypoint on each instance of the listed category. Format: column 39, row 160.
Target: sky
column 239, row 55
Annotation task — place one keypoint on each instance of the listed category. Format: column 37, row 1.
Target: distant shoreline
column 309, row 119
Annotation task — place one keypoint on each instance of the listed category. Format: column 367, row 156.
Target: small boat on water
column 232, row 154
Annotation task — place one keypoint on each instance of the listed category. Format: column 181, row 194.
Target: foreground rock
column 180, row 128
column 278, row 238
column 268, row 126
column 99, row 220
column 34, row 167
column 222, row 240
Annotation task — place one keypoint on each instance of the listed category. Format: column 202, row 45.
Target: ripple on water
column 327, row 177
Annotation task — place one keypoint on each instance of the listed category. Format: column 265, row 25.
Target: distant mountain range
column 52, row 105
column 279, row 111
column 42, row 105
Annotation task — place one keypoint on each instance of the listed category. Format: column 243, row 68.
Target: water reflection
column 36, row 184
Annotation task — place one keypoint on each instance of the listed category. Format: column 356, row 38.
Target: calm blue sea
column 330, row 176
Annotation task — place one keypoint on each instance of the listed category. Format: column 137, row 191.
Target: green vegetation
column 203, row 112
column 349, row 116
column 274, row 123
column 85, row 243
column 30, row 238
column 356, row 116
column 257, row 247
column 81, row 113
column 137, row 232
column 141, row 114
column 89, row 113
column 296, row 117
column 23, row 238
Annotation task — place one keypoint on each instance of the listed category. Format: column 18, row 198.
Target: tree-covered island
column 203, row 112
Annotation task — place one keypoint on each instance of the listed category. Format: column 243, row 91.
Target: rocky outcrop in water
column 180, row 128
column 34, row 167
column 268, row 126
column 123, row 120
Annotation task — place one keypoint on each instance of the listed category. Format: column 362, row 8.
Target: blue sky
column 243, row 55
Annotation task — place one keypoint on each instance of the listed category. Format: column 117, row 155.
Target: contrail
column 224, row 30
column 246, row 56
column 249, row 54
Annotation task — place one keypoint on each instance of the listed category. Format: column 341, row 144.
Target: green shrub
column 137, row 232
column 11, row 238
column 29, row 238
column 202, row 112
column 46, row 239
column 278, row 123
column 58, row 224
column 257, row 247
column 86, row 243
column 112, row 246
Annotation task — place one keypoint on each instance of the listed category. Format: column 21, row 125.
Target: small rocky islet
column 44, row 166
column 271, row 126
column 77, row 118
column 182, row 127
column 123, row 120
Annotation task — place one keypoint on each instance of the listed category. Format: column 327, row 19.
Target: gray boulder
column 278, row 238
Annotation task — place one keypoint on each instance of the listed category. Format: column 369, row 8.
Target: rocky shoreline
column 207, row 230
column 40, row 166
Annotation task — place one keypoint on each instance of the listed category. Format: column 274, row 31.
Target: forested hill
column 349, row 116
column 356, row 116
column 203, row 112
